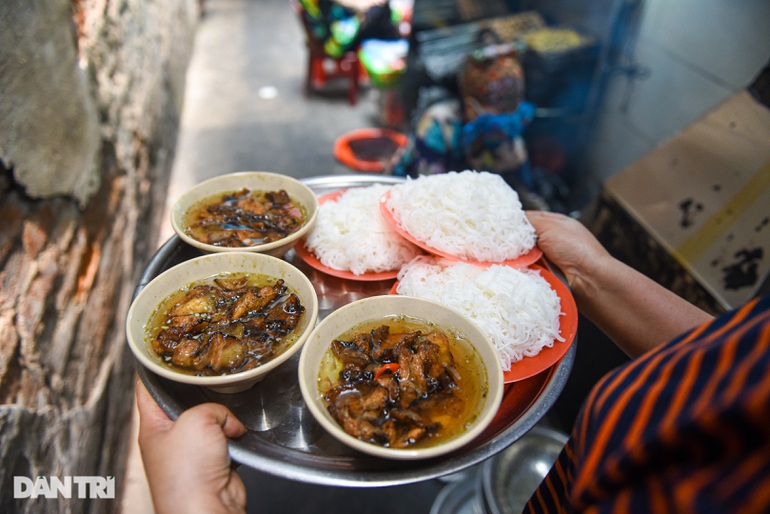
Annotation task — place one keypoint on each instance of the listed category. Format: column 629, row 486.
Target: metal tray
column 284, row 439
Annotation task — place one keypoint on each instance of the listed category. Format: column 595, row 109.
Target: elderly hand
column 636, row 312
column 569, row 245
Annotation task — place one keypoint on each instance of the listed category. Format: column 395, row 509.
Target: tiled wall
column 698, row 53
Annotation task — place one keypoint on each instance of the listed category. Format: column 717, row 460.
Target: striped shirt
column 683, row 428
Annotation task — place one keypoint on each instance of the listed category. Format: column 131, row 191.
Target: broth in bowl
column 244, row 218
column 390, row 386
column 401, row 382
column 225, row 324
column 249, row 211
column 218, row 307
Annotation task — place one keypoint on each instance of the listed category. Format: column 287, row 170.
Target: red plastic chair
column 321, row 67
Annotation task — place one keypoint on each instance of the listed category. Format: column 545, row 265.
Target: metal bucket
column 460, row 496
column 507, row 481
column 504, row 483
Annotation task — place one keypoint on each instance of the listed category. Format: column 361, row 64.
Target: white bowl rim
column 218, row 380
column 494, row 396
column 294, row 236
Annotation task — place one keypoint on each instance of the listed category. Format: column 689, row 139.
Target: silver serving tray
column 284, row 439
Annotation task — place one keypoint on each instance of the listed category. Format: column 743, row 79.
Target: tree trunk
column 66, row 375
column 90, row 96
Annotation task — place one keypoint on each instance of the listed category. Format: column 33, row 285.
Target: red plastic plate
column 521, row 261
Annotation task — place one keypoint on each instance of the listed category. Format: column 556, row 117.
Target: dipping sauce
column 225, row 324
column 244, row 218
column 401, row 382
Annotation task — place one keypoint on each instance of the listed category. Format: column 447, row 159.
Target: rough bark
column 68, row 267
column 48, row 117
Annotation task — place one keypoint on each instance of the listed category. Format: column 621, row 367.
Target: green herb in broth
column 225, row 324
column 402, row 382
column 244, row 218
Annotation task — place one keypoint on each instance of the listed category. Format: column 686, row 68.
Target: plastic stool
column 317, row 73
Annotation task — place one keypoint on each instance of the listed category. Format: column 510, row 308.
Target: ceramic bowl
column 147, row 300
column 388, row 306
column 257, row 181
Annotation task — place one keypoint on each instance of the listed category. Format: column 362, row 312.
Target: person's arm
column 186, row 461
column 634, row 311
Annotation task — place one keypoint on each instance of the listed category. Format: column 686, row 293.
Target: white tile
column 653, row 14
column 728, row 41
column 617, row 143
column 672, row 96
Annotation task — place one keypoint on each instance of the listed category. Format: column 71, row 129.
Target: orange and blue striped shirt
column 683, row 428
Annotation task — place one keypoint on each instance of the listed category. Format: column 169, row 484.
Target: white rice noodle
column 516, row 308
column 351, row 235
column 471, row 215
